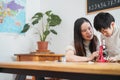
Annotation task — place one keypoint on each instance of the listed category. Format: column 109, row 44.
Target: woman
column 85, row 42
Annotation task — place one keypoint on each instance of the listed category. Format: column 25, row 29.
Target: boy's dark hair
column 103, row 21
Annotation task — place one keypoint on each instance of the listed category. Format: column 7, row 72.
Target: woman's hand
column 94, row 55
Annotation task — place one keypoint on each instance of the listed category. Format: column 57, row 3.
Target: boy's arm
column 116, row 58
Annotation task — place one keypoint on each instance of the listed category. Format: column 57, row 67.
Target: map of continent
column 12, row 15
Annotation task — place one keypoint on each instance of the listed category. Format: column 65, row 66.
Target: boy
column 105, row 23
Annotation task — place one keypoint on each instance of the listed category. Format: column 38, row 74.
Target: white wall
column 68, row 10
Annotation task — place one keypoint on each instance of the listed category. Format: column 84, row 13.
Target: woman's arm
column 71, row 57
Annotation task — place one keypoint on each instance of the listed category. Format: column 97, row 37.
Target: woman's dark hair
column 78, row 39
column 103, row 20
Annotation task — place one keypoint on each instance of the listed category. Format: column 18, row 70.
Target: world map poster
column 12, row 15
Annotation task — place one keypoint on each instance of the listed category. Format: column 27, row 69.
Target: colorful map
column 12, row 15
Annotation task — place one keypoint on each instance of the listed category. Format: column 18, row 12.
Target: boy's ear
column 112, row 24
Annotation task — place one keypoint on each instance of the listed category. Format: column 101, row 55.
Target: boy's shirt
column 113, row 44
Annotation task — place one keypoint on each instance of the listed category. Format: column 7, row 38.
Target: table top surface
column 39, row 54
column 74, row 67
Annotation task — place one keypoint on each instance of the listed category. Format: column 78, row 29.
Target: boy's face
column 108, row 32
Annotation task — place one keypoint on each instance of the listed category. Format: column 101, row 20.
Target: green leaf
column 55, row 20
column 25, row 28
column 46, row 32
column 36, row 18
column 38, row 15
column 48, row 12
column 35, row 21
column 53, row 31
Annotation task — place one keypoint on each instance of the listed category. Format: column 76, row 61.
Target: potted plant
column 48, row 21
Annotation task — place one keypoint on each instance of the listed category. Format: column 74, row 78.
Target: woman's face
column 86, row 31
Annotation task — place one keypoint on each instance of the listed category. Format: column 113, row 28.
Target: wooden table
column 66, row 70
column 39, row 57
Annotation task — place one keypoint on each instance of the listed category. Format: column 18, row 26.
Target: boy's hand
column 112, row 59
